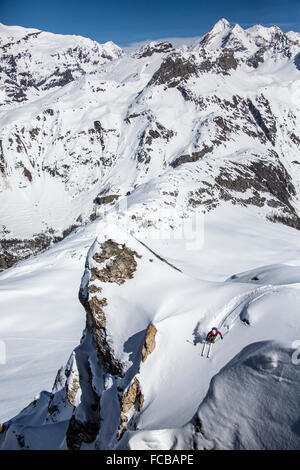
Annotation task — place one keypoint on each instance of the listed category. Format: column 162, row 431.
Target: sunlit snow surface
column 42, row 319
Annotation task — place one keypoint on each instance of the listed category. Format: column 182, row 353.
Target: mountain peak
column 263, row 31
column 214, row 38
column 221, row 25
column 237, row 29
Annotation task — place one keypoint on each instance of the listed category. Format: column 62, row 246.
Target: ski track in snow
column 241, row 301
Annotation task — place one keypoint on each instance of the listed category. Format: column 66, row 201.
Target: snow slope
column 41, row 318
column 243, row 409
column 174, row 379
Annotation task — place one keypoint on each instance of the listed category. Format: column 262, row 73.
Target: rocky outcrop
column 132, row 398
column 103, row 200
column 79, row 432
column 111, row 263
column 154, row 47
column 258, row 58
column 195, row 156
column 72, row 384
column 96, row 325
column 269, row 133
column 149, row 344
column 119, row 263
column 226, row 61
column 172, row 70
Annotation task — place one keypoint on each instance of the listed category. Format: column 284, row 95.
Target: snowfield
column 146, row 197
column 258, row 318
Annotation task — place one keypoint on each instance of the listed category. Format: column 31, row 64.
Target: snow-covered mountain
column 218, row 121
column 34, row 62
column 125, row 148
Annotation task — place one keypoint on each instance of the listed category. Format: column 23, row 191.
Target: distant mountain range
column 81, row 120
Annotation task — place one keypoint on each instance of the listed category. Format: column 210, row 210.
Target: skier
column 212, row 335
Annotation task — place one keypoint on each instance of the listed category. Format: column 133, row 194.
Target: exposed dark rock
column 292, row 220
column 2, row 160
column 21, row 440
column 226, row 61
column 133, row 397
column 275, row 179
column 205, row 66
column 267, row 181
column 166, row 134
column 120, row 263
column 257, row 58
column 295, row 139
column 27, row 174
column 205, row 196
column 159, row 48
column 96, row 325
column 100, row 200
column 149, row 344
column 49, row 111
column 99, row 131
column 79, row 432
column 260, row 176
column 260, row 122
column 57, row 79
column 205, row 39
column 13, row 250
column 193, row 157
column 172, row 68
column 34, row 132
column 154, row 134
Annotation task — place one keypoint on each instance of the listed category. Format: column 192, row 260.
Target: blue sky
column 126, row 22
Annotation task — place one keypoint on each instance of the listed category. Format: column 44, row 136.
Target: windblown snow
column 146, row 197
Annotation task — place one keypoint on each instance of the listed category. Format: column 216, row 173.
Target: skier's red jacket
column 210, row 333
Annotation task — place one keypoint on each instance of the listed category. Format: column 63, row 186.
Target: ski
column 204, row 348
